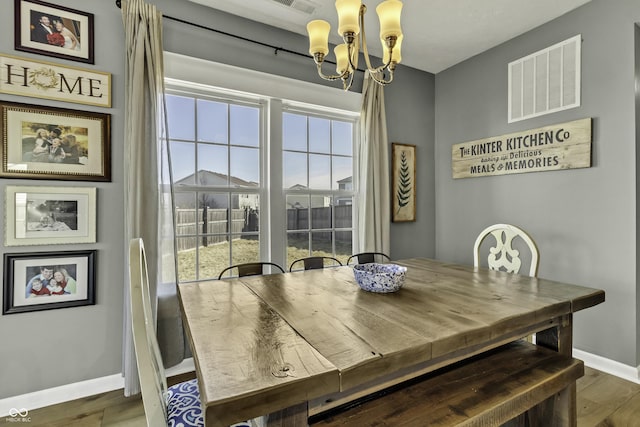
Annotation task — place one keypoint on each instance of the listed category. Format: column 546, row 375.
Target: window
column 318, row 180
column 215, row 157
column 241, row 159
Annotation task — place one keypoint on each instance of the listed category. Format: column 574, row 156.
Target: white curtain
column 374, row 205
column 147, row 182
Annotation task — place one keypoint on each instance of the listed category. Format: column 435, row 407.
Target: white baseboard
column 67, row 392
column 608, row 366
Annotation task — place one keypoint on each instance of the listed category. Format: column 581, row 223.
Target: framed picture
column 404, row 182
column 41, row 79
column 54, row 143
column 53, row 30
column 48, row 280
column 50, row 215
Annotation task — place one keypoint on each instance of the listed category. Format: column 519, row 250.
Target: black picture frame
column 76, row 269
column 75, row 44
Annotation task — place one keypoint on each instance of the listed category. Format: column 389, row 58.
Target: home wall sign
column 39, row 79
column 562, row 146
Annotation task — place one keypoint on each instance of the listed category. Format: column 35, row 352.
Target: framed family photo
column 404, row 182
column 54, row 143
column 49, row 215
column 48, row 280
column 53, row 30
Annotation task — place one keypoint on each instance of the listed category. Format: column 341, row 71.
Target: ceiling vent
column 301, row 5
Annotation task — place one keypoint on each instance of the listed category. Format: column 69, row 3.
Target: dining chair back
column 368, row 257
column 251, row 269
column 315, row 262
column 163, row 406
column 503, row 256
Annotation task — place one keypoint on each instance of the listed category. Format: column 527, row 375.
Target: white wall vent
column 545, row 81
column 301, row 5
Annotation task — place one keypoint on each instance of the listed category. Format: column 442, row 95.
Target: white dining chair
column 178, row 405
column 503, row 256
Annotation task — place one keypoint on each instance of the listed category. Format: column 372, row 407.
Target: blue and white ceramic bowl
column 381, row 278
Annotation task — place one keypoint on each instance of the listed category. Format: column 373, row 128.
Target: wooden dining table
column 298, row 344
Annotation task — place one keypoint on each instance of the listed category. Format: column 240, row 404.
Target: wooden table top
column 286, row 338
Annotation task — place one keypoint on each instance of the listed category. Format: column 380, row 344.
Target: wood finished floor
column 603, row 401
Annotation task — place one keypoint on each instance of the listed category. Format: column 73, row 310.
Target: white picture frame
column 49, row 215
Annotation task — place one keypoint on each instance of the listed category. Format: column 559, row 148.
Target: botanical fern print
column 403, row 192
column 403, row 186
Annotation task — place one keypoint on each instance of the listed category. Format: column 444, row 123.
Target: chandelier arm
column 330, row 77
column 363, row 38
column 346, row 86
column 381, row 80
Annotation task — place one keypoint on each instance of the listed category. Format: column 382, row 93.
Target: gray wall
column 637, row 105
column 88, row 339
column 85, row 341
column 583, row 220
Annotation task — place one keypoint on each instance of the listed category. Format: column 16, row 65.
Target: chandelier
column 351, row 28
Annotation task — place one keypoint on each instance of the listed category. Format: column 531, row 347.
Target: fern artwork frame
column 403, row 190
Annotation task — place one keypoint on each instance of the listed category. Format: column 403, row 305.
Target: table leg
column 560, row 339
column 294, row 416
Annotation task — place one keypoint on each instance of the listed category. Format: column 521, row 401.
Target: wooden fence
column 209, row 221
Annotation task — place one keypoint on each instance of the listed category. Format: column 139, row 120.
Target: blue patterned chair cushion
column 183, row 406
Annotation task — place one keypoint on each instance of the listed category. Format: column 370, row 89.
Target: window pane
column 212, row 165
column 237, row 217
column 298, row 212
column 342, row 173
column 343, row 212
column 186, row 216
column 297, row 246
column 181, row 117
column 342, row 138
column 295, row 170
column 245, row 167
column 216, row 215
column 183, row 164
column 319, row 171
column 245, row 249
column 321, row 244
column 245, row 125
column 213, row 258
column 212, row 121
column 319, row 135
column 344, row 245
column 321, row 212
column 250, row 206
column 294, row 132
column 186, row 258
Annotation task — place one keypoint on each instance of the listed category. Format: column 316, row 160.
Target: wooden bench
column 517, row 383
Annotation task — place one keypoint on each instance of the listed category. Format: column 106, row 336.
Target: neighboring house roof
column 298, row 187
column 346, row 180
column 206, row 177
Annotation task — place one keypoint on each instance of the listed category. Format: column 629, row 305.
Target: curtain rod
column 275, row 48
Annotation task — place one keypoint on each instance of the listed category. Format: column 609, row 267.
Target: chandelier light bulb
column 389, row 15
column 318, row 36
column 348, row 15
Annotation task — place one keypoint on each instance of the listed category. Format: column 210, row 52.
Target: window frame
column 277, row 94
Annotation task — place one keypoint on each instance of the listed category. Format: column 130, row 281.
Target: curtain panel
column 374, row 209
column 147, row 183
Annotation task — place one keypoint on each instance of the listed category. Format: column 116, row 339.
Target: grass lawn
column 214, row 258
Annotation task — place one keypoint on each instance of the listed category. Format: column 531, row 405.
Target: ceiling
column 438, row 33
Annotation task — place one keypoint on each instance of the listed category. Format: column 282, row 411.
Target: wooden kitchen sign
column 561, row 146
